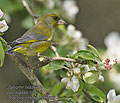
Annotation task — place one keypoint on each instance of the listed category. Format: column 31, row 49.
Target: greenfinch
column 38, row 38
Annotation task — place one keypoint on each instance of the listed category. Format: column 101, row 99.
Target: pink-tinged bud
column 115, row 61
column 108, row 67
column 1, row 14
column 107, row 60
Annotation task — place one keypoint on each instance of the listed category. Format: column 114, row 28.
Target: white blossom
column 72, row 32
column 1, row 14
column 77, row 39
column 92, row 68
column 50, row 4
column 87, row 69
column 75, row 84
column 72, row 83
column 69, row 85
column 82, row 44
column 70, row 8
column 112, row 98
column 112, row 42
column 3, row 26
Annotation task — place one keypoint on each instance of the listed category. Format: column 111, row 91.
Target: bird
column 37, row 39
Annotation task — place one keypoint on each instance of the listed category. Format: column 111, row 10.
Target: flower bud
column 115, row 61
column 108, row 67
column 76, row 70
column 69, row 73
column 107, row 60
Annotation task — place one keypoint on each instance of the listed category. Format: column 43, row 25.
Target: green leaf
column 56, row 65
column 94, row 50
column 90, row 63
column 57, row 88
column 85, row 55
column 62, row 73
column 4, row 44
column 1, row 33
column 96, row 93
column 2, row 54
column 81, row 85
column 91, row 77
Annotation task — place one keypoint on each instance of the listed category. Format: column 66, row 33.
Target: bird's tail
column 10, row 51
column 11, row 47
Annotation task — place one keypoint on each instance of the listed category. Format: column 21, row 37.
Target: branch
column 55, row 50
column 25, row 4
column 32, row 78
column 48, row 60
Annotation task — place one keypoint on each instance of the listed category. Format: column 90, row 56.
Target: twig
column 48, row 60
column 64, row 59
column 25, row 4
column 55, row 50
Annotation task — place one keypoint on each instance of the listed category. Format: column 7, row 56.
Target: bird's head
column 52, row 20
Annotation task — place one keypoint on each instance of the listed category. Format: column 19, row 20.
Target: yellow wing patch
column 30, row 41
column 17, row 49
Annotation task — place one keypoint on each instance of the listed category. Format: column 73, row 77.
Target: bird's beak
column 61, row 21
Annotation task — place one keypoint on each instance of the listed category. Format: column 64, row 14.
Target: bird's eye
column 56, row 18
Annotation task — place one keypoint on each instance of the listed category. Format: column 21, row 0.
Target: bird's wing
column 31, row 38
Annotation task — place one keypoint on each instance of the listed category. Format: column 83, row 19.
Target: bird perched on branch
column 38, row 38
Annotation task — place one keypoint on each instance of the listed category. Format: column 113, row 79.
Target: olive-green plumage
column 38, row 38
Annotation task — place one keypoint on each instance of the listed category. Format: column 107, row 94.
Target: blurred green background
column 95, row 20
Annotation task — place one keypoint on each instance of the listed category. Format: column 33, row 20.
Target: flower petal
column 70, row 8
column 69, row 84
column 117, row 99
column 77, row 35
column 93, row 68
column 3, row 26
column 75, row 84
column 111, row 95
column 86, row 68
column 70, row 30
column 65, row 80
column 1, row 14
column 101, row 77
